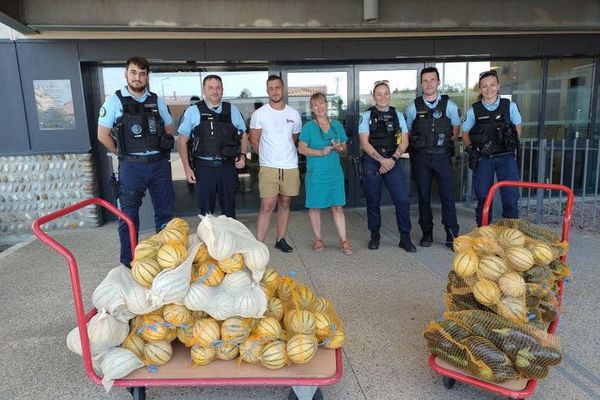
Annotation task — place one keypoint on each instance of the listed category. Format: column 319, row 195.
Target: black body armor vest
column 384, row 129
column 141, row 127
column 431, row 131
column 215, row 136
column 493, row 132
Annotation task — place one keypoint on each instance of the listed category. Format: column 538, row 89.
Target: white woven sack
column 110, row 294
column 118, row 363
column 226, row 236
column 104, row 332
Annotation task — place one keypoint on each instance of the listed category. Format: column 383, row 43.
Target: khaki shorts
column 274, row 181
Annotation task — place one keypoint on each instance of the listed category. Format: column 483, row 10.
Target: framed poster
column 54, row 102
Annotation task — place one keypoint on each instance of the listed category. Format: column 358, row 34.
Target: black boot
column 406, row 243
column 374, row 242
column 450, row 235
column 427, row 239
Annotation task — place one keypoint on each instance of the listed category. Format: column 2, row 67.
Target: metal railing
column 574, row 163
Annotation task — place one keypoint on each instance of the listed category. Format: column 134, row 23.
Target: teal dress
column 324, row 180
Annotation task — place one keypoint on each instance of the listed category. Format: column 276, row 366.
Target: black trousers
column 220, row 179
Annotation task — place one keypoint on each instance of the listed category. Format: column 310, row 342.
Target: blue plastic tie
column 152, row 368
column 293, row 274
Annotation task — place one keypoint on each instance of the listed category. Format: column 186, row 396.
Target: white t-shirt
column 277, row 148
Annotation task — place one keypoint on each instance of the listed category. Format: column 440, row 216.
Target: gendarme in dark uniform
column 135, row 124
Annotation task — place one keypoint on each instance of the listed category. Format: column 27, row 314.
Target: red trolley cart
column 324, row 369
column 522, row 388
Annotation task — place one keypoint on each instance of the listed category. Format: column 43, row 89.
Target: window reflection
column 402, row 83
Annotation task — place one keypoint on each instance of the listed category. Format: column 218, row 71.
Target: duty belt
column 142, row 159
column 212, row 163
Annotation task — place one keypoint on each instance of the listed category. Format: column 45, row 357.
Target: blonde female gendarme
column 321, row 141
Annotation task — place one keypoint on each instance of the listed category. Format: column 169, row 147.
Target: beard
column 137, row 86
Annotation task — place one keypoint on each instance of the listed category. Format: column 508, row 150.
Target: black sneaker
column 282, row 245
column 427, row 239
column 374, row 242
column 406, row 244
column 450, row 235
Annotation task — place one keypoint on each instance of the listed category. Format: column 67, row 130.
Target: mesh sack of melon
column 491, row 267
column 492, row 347
column 165, row 250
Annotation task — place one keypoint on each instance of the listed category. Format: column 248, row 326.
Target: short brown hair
column 274, row 78
column 138, row 61
column 212, row 76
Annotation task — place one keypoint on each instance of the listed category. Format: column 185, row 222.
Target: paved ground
column 385, row 299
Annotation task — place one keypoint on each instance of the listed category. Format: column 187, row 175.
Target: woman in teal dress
column 321, row 141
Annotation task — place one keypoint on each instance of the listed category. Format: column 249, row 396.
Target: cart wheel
column 448, row 382
column 137, row 392
column 317, row 396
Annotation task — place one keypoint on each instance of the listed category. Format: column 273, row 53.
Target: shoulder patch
column 360, row 119
column 102, row 111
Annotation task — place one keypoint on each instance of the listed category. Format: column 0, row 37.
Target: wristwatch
column 395, row 157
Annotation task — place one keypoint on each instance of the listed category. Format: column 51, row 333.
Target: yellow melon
column 274, row 355
column 135, row 344
column 322, row 325
column 235, row 330
column 271, row 278
column 511, row 237
column 176, row 314
column 170, row 255
column 251, row 350
column 520, row 259
column 486, row 292
column 146, row 249
column 542, row 253
column 285, row 288
column 299, row 321
column 171, row 333
column 491, row 267
column 202, row 355
column 185, row 334
column 178, row 223
column 267, row 328
column 144, row 271
column 198, row 314
column 227, row 351
column 158, row 353
column 513, row 309
column 232, row 264
column 321, row 304
column 301, row 348
column 462, row 243
column 489, row 231
column 465, row 263
column 153, row 329
column 201, row 254
column 336, row 340
column 304, row 296
column 209, row 274
column 512, row 284
column 206, row 332
column 268, row 291
column 275, row 309
column 174, row 234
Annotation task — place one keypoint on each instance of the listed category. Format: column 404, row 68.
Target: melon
column 323, row 325
column 174, row 234
column 486, row 292
column 271, row 278
column 146, row 249
column 321, row 304
column 227, row 351
column 144, row 270
column 275, row 309
column 185, row 334
column 153, row 328
column 491, row 267
column 267, row 328
column 176, row 314
column 171, row 334
column 232, row 264
column 274, row 355
column 198, row 314
column 178, row 223
column 158, row 353
column 488, row 231
column 202, row 254
column 462, row 243
column 268, row 291
column 511, row 237
column 512, row 284
column 513, row 309
column 202, row 355
column 520, row 259
column 336, row 340
column 299, row 321
column 206, row 332
column 235, row 330
column 170, row 255
column 285, row 288
column 542, row 253
column 135, row 343
column 251, row 350
column 304, row 296
column 209, row 274
column 301, row 348
column 465, row 263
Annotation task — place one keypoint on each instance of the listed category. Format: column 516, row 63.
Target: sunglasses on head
column 382, row 82
column 485, row 74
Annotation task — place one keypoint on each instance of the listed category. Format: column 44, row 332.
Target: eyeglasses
column 382, row 82
column 491, row 72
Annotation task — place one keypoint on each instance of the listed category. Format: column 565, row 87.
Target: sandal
column 346, row 248
column 318, row 246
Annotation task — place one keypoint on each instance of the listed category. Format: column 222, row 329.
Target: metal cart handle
column 73, row 270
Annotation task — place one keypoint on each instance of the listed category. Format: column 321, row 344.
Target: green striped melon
column 177, row 314
column 304, row 296
column 512, row 284
column 542, row 253
column 251, row 350
column 199, row 314
column 268, row 291
column 174, row 234
column 202, row 355
column 486, row 292
column 235, row 330
column 274, row 355
column 299, row 321
column 491, row 267
column 513, row 309
column 321, row 304
column 171, row 334
column 336, row 340
column 146, row 249
column 267, row 328
column 285, row 288
column 170, row 255
column 301, row 348
column 144, row 271
column 135, row 344
column 232, row 264
column 488, row 231
column 511, row 237
column 206, row 332
column 520, row 259
column 153, row 329
column 322, row 325
column 271, row 278
column 275, row 309
column 209, row 273
column 465, row 263
column 178, row 223
column 227, row 351
column 462, row 243
column 202, row 254
column 185, row 334
column 158, row 353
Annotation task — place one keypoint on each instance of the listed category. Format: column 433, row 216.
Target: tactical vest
column 431, row 131
column 215, row 136
column 383, row 130
column 493, row 132
column 141, row 127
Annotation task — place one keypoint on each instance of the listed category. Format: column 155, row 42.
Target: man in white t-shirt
column 274, row 130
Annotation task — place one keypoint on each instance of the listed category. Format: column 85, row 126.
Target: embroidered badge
column 102, row 112
column 437, row 114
